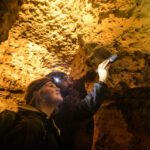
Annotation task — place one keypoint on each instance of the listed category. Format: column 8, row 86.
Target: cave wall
column 123, row 121
column 8, row 15
column 74, row 36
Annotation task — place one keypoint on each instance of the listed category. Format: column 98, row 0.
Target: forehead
column 61, row 77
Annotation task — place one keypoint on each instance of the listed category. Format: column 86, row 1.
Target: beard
column 67, row 91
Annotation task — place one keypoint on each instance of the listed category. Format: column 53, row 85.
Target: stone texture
column 8, row 15
column 74, row 36
column 122, row 124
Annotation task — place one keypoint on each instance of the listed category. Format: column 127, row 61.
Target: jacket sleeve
column 90, row 104
column 70, row 112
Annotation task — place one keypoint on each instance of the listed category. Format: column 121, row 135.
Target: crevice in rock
column 139, row 93
column 1, row 89
column 16, row 91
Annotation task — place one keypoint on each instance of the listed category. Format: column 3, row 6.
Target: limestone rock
column 74, row 36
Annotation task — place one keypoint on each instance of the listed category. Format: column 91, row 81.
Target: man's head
column 43, row 91
column 62, row 81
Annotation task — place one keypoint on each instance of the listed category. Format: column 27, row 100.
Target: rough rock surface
column 8, row 15
column 74, row 36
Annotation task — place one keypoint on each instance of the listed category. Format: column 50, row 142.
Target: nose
column 69, row 82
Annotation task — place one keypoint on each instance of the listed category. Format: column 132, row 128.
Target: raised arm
column 90, row 104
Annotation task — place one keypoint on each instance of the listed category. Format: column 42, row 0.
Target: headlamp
column 56, row 80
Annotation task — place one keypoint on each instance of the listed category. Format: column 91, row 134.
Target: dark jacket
column 72, row 113
column 29, row 129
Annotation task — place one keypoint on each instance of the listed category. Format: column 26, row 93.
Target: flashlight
column 111, row 60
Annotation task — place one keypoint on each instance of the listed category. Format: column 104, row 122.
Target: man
column 64, row 119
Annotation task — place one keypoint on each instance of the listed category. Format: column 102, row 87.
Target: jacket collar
column 30, row 108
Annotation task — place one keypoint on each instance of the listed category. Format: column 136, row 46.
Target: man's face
column 65, row 84
column 50, row 93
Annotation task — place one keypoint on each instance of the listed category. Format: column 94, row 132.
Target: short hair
column 34, row 86
column 58, row 74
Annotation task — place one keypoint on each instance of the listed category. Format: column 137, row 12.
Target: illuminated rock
column 74, row 36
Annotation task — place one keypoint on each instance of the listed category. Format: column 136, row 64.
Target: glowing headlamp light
column 56, row 80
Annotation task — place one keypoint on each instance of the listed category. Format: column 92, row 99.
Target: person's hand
column 103, row 70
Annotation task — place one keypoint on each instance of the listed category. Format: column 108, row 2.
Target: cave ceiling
column 74, row 36
column 39, row 36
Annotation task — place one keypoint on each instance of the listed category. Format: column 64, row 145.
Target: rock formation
column 74, row 36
